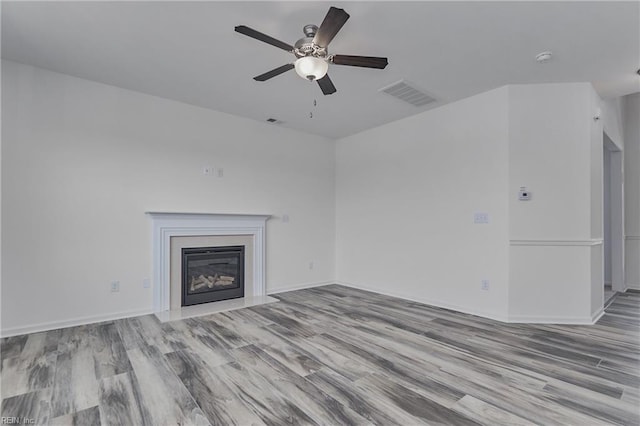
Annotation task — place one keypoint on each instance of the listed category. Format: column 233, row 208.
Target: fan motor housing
column 306, row 47
column 310, row 30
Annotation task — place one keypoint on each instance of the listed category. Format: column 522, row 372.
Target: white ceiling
column 188, row 51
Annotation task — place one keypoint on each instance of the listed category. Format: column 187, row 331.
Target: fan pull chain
column 315, row 104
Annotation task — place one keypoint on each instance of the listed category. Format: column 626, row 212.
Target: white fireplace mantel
column 168, row 224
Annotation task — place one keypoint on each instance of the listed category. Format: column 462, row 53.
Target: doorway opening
column 613, row 219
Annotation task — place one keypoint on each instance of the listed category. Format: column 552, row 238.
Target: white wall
column 596, row 213
column 555, row 237
column 406, row 193
column 406, row 197
column 612, row 119
column 632, row 190
column 83, row 161
column 549, row 153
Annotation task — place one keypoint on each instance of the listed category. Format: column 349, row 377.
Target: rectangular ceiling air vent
column 407, row 92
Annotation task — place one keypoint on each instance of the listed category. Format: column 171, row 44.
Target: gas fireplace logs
column 210, row 281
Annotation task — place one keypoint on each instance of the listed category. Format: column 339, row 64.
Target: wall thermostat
column 524, row 194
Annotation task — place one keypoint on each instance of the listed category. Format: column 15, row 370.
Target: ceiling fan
column 311, row 51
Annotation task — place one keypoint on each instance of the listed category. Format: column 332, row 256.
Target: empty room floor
column 329, row 355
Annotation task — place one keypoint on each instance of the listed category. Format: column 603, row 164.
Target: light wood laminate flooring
column 329, row 355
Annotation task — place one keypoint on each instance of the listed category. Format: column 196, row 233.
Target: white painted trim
column 572, row 243
column 73, row 322
column 597, row 315
column 205, row 215
column 528, row 319
column 431, row 302
column 299, row 287
column 165, row 225
column 632, row 238
column 631, row 286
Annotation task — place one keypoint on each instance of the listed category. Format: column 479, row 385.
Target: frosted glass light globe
column 311, row 68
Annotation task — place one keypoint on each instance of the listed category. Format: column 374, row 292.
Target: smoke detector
column 543, row 57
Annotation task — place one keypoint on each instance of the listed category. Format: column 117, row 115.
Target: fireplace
column 210, row 274
column 173, row 231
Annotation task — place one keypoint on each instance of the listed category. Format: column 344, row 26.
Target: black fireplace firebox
column 210, row 274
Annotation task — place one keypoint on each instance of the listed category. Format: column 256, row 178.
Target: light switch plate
column 481, row 218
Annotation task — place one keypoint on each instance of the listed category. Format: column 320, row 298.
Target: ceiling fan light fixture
column 311, row 51
column 311, row 68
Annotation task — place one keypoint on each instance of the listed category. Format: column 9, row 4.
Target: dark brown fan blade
column 274, row 72
column 333, row 21
column 360, row 61
column 326, row 85
column 242, row 29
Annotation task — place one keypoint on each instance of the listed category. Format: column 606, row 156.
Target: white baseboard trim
column 597, row 315
column 630, row 286
column 431, row 302
column 35, row 328
column 529, row 319
column 571, row 243
column 491, row 315
column 54, row 325
column 298, row 287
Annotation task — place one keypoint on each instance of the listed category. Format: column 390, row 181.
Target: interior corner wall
column 555, row 240
column 632, row 189
column 612, row 118
column 83, row 161
column 596, row 216
column 406, row 195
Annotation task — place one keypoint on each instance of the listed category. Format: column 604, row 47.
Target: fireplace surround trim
column 168, row 224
